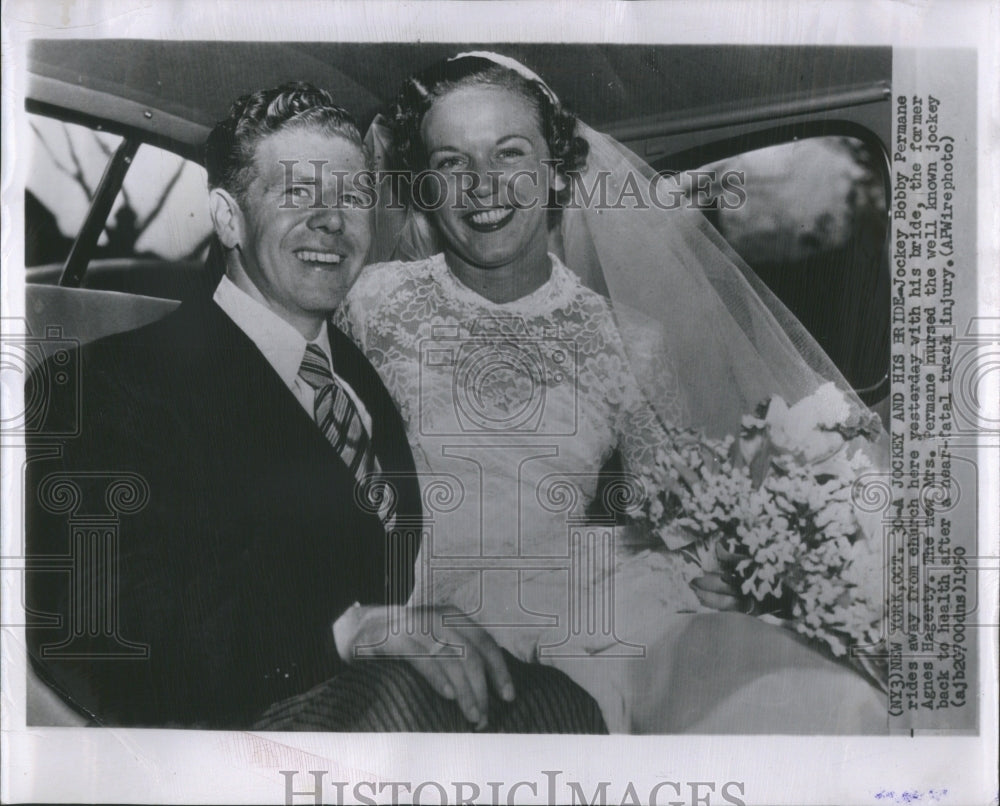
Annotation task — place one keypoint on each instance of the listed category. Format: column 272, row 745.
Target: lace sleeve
column 641, row 427
column 642, row 433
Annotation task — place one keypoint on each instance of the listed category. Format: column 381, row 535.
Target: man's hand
column 459, row 659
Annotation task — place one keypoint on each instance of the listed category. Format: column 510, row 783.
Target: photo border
column 117, row 764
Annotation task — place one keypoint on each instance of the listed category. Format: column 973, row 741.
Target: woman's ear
column 227, row 217
column 557, row 179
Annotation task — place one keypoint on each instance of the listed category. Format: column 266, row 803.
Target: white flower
column 656, row 509
column 806, row 429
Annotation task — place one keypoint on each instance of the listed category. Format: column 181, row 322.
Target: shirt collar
column 281, row 344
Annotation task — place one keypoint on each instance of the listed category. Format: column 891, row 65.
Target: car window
column 67, row 162
column 162, row 209
column 812, row 224
column 161, row 212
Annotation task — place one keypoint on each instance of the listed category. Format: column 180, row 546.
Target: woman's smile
column 490, row 220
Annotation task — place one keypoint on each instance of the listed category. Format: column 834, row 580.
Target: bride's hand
column 715, row 589
column 715, row 592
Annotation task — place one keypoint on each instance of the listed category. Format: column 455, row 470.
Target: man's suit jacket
column 202, row 585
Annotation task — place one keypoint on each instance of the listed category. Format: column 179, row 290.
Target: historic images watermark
column 90, row 505
column 555, row 786
column 43, row 365
column 467, row 190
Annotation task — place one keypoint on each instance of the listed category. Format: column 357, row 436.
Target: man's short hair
column 230, row 148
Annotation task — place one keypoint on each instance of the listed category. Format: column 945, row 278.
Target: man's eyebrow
column 300, row 180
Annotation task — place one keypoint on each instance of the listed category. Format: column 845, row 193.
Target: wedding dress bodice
column 547, row 367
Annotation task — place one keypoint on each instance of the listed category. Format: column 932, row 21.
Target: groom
column 245, row 574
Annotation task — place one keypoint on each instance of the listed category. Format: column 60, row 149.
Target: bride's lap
column 699, row 672
column 724, row 673
column 729, row 673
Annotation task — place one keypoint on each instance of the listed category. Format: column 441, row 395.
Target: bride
column 528, row 338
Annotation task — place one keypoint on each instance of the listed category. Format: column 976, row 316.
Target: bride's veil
column 682, row 297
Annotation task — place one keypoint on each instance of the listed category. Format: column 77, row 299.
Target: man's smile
column 323, row 258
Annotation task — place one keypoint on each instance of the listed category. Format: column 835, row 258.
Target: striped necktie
column 336, row 415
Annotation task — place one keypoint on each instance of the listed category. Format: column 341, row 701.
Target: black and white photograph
column 500, row 402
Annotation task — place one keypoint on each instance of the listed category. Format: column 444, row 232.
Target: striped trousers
column 388, row 695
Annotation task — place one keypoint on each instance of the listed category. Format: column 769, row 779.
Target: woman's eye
column 448, row 163
column 510, row 153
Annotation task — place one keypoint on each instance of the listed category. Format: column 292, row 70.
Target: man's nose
column 327, row 218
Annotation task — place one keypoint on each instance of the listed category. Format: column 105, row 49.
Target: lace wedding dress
column 512, row 410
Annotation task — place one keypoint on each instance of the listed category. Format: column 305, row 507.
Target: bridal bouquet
column 772, row 511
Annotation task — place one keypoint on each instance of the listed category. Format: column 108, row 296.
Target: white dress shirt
column 281, row 344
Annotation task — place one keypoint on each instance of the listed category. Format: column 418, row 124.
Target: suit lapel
column 257, row 401
column 254, row 441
